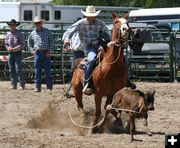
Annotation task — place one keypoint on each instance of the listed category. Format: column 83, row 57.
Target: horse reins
column 120, row 39
column 100, row 64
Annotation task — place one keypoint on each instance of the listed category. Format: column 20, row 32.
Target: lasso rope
column 83, row 126
column 70, row 116
column 109, row 107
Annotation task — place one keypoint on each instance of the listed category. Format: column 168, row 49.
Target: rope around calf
column 119, row 109
column 109, row 107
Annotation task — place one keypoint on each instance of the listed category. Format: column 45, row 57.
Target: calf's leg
column 116, row 114
column 118, row 120
column 146, row 125
column 132, row 126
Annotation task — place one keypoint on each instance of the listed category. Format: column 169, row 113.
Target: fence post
column 62, row 55
column 172, row 68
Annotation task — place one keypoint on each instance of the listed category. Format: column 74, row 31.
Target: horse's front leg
column 108, row 100
column 77, row 88
column 98, row 100
column 78, row 96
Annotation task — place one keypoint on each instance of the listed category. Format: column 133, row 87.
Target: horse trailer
column 26, row 10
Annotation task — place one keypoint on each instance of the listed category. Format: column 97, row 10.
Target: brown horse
column 109, row 76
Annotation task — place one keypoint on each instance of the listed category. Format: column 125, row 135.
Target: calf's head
column 149, row 99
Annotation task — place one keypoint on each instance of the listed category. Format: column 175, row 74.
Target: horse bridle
column 121, row 41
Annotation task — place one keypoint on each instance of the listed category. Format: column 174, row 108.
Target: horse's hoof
column 118, row 123
column 88, row 91
column 149, row 134
column 101, row 129
column 69, row 94
column 126, row 125
column 96, row 130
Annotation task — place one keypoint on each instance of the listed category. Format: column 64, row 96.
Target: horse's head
column 121, row 29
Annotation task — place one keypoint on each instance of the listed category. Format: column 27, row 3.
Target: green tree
column 126, row 3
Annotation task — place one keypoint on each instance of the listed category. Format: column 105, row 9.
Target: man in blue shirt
column 89, row 30
column 41, row 43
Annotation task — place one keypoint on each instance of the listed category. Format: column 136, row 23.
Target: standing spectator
column 14, row 43
column 41, row 43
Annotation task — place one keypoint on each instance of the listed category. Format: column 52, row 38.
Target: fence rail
column 156, row 60
column 150, row 65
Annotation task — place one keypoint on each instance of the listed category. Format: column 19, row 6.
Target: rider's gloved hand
column 66, row 45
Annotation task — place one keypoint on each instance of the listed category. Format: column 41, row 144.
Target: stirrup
column 86, row 90
column 69, row 94
column 85, row 87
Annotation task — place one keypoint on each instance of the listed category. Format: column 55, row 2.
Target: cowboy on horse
column 90, row 30
column 109, row 76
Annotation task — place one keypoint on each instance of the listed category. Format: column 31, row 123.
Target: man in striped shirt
column 89, row 30
column 41, row 43
column 14, row 43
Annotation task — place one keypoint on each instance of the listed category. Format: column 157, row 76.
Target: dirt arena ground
column 41, row 120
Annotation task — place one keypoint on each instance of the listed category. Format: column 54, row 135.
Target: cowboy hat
column 90, row 11
column 37, row 19
column 13, row 21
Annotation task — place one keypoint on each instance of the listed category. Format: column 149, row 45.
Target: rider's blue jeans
column 92, row 51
